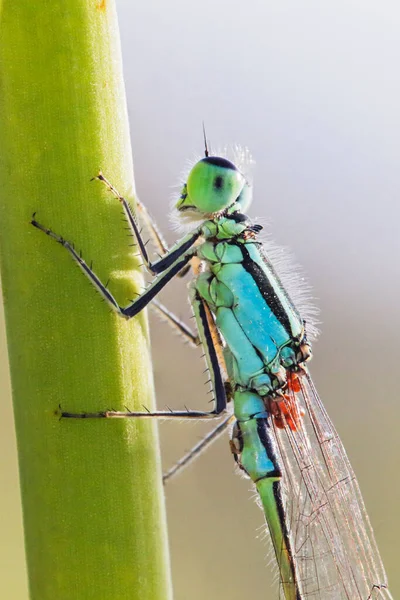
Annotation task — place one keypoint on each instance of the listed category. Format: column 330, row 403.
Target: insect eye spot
column 218, row 182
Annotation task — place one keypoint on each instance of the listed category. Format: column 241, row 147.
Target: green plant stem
column 91, row 490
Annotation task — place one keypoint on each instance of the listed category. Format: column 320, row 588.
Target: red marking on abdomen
column 293, row 382
column 286, row 411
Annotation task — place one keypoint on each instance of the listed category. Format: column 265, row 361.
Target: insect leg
column 170, row 255
column 212, row 344
column 212, row 350
column 141, row 302
column 176, row 323
column 198, row 449
column 155, row 234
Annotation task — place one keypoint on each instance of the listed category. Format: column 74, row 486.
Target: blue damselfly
column 257, row 348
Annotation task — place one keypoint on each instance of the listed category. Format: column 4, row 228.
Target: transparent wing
column 333, row 543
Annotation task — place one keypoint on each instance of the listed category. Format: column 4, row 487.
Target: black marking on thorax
column 266, row 289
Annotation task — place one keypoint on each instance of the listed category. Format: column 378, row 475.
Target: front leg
column 142, row 301
column 169, row 255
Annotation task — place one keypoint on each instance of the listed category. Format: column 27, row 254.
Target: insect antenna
column 206, row 152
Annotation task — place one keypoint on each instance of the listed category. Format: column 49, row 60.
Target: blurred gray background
column 313, row 89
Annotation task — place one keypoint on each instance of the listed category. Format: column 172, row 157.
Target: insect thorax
column 262, row 330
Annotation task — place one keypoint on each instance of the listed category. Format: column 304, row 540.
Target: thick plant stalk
column 91, row 490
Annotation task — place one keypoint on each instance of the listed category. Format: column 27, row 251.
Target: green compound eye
column 213, row 184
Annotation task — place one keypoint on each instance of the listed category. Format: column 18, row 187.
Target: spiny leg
column 139, row 303
column 213, row 435
column 203, row 313
column 169, row 255
column 155, row 233
column 176, row 323
column 198, row 449
column 208, row 333
column 208, row 339
column 212, row 345
column 81, row 263
column 152, row 228
column 211, row 350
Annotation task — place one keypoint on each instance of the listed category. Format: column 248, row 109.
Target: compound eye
column 213, row 184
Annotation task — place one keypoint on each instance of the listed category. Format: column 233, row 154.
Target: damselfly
column 256, row 348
